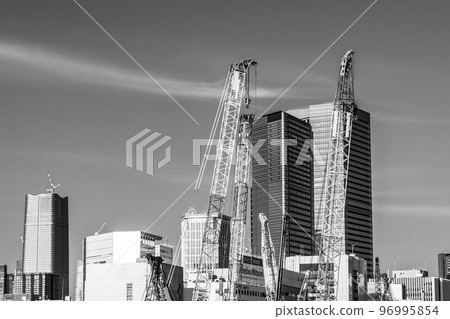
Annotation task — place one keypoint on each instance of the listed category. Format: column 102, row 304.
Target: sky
column 71, row 97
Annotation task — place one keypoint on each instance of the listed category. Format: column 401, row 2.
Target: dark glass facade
column 358, row 211
column 283, row 179
column 46, row 239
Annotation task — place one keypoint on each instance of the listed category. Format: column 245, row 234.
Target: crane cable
column 210, row 142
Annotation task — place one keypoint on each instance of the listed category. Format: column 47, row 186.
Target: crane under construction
column 154, row 289
column 332, row 232
column 382, row 280
column 236, row 86
column 269, row 261
column 240, row 203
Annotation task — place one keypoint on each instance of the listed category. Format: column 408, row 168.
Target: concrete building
column 358, row 211
column 45, row 285
column 418, row 286
column 396, row 291
column 410, row 273
column 352, row 282
column 444, row 265
column 79, row 281
column 114, row 267
column 192, row 228
column 46, row 240
column 10, row 283
column 251, row 286
column 425, row 288
column 21, row 297
column 283, row 179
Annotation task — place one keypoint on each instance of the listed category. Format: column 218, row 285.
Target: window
column 129, row 292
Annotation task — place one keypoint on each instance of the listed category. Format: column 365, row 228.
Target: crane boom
column 269, row 260
column 231, row 104
column 343, row 114
column 154, row 290
column 303, row 294
column 378, row 278
column 241, row 194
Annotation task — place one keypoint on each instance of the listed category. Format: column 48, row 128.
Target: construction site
column 224, row 269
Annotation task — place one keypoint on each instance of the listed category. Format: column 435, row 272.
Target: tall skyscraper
column 46, row 239
column 283, row 178
column 358, row 212
column 192, row 228
column 444, row 265
column 3, row 280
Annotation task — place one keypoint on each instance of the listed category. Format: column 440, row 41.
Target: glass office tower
column 283, row 178
column 46, row 238
column 358, row 211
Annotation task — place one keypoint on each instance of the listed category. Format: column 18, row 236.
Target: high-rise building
column 444, row 265
column 46, row 239
column 79, row 281
column 283, row 179
column 192, row 228
column 358, row 236
column 47, row 286
column 3, row 280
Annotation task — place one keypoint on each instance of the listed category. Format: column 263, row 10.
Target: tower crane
column 235, row 85
column 386, row 296
column 303, row 294
column 241, row 194
column 269, row 260
column 332, row 233
column 51, row 189
column 378, row 296
column 154, row 289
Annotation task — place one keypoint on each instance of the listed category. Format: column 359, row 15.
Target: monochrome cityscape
column 270, row 196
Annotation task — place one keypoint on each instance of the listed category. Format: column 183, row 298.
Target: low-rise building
column 352, row 282
column 114, row 267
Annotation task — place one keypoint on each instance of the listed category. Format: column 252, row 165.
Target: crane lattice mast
column 303, row 294
column 332, row 234
column 241, row 194
column 378, row 284
column 154, row 290
column 269, row 260
column 231, row 104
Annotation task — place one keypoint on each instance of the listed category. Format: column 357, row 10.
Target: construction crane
column 240, row 203
column 269, row 260
column 235, row 85
column 303, row 294
column 98, row 231
column 386, row 296
column 332, row 233
column 282, row 256
column 155, row 286
column 51, row 188
column 378, row 284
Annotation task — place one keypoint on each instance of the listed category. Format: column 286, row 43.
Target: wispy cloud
column 95, row 72
column 103, row 74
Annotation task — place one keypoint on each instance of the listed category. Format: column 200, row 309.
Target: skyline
column 71, row 98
